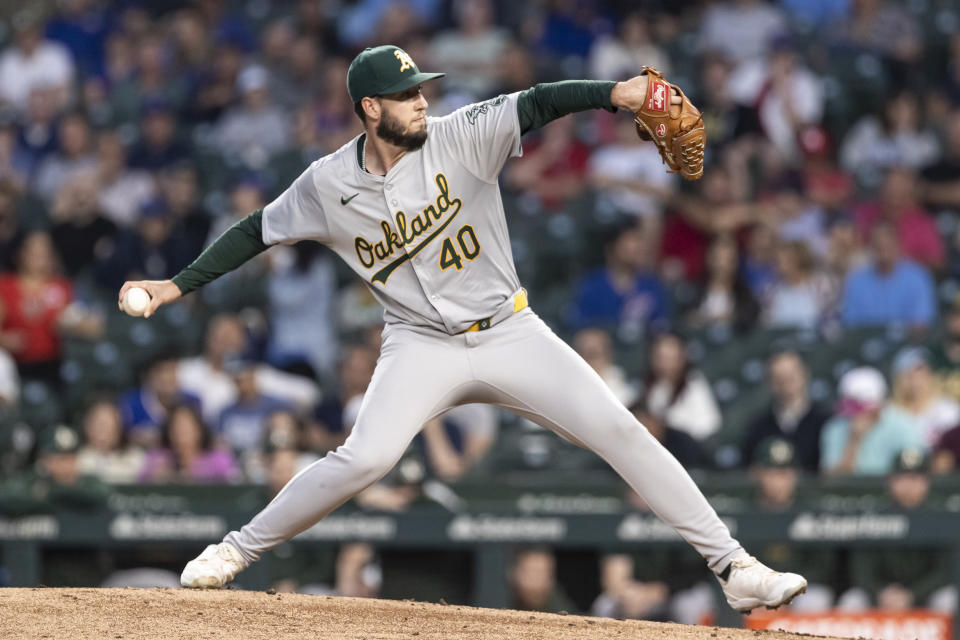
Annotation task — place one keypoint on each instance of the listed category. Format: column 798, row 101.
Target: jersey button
column 434, row 297
column 393, row 202
column 389, row 186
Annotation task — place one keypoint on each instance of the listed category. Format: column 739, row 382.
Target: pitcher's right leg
column 416, row 378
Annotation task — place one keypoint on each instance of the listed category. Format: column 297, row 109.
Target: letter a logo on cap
column 406, row 62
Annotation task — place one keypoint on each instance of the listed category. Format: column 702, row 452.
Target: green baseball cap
column 381, row 70
column 59, row 439
column 776, row 453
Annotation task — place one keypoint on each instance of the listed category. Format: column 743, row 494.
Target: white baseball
column 135, row 301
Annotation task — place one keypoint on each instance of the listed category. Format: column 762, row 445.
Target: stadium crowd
column 132, row 133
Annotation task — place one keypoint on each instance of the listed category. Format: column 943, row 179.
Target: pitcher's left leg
column 533, row 372
column 541, row 377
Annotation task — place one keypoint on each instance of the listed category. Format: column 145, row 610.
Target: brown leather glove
column 677, row 129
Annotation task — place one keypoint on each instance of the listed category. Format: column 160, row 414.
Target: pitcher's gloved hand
column 675, row 126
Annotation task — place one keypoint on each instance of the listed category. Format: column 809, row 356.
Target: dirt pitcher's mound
column 162, row 614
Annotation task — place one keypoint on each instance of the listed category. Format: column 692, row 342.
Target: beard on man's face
column 390, row 129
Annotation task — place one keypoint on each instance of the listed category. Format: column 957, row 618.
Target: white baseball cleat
column 748, row 583
column 213, row 568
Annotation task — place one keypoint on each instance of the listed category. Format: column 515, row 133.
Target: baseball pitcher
column 413, row 206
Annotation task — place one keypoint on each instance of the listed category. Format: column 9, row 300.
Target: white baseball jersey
column 429, row 238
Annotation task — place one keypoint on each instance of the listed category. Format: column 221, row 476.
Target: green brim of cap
column 411, row 81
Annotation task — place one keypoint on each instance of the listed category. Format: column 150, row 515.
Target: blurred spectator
column 625, row 598
column 759, row 259
column 11, row 233
column 946, row 455
column 457, row 440
column 301, row 290
column 567, row 30
column 32, row 61
column 246, row 285
column 784, row 93
column 680, row 444
column 629, row 176
column 795, row 217
column 304, row 149
column 676, row 392
column 622, row 56
column 204, row 376
column 740, row 29
column 335, row 119
column 596, row 347
column 941, row 180
column 152, row 250
column 36, row 309
column 801, row 297
column 909, row 577
column 9, row 382
column 369, row 22
column 243, row 423
column 891, row 289
column 144, row 409
column 533, row 582
column 625, row 293
column 81, row 25
column 107, row 453
column 945, row 353
column 303, row 77
column 825, row 185
column 879, row 27
column 257, row 128
column 151, row 81
column 216, row 86
column 791, row 417
column 816, row 13
column 38, row 132
column 119, row 59
column 720, row 207
column 845, row 252
column 517, row 69
column 334, row 417
column 470, row 53
column 158, row 146
column 774, row 475
column 553, row 167
column 80, row 232
column 186, row 453
column 866, row 435
column 191, row 39
column 16, row 161
column 56, row 482
column 898, row 206
column 276, row 43
column 178, row 184
column 74, row 153
column 724, row 119
column 121, row 192
column 283, row 431
column 895, row 139
column 723, row 297
column 915, row 392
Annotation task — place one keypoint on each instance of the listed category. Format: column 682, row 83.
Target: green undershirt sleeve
column 545, row 102
column 236, row 245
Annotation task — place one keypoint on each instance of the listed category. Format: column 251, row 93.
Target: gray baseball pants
column 518, row 364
